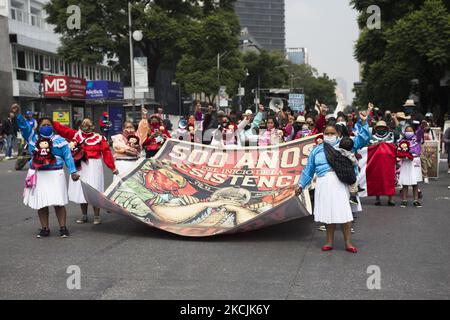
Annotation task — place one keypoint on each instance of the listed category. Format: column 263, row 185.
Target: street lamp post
column 133, row 93
column 240, row 91
column 219, row 56
column 137, row 36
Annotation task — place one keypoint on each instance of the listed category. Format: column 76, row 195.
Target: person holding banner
column 126, row 150
column 45, row 184
column 152, row 133
column 270, row 136
column 331, row 205
column 425, row 161
column 95, row 149
column 446, row 139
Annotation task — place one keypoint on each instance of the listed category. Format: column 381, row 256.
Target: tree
column 412, row 44
column 265, row 70
column 316, row 87
column 167, row 25
column 217, row 34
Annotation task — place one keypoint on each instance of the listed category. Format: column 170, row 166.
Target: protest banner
column 197, row 190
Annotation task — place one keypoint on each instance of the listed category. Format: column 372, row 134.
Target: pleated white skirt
column 409, row 172
column 92, row 174
column 331, row 200
column 50, row 190
column 123, row 167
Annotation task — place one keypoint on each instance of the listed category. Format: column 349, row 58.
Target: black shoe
column 353, row 200
column 404, row 204
column 360, row 189
column 391, row 204
column 417, row 204
column 378, row 203
column 43, row 233
column 64, row 233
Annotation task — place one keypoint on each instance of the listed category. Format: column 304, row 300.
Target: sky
column 329, row 29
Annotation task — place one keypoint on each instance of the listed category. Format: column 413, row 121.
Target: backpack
column 340, row 164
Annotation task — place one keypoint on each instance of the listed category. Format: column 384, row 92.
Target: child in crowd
column 345, row 148
column 410, row 171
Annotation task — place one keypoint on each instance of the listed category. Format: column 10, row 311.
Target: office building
column 297, row 55
column 265, row 21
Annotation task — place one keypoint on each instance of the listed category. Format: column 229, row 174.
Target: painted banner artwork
column 430, row 159
column 197, row 190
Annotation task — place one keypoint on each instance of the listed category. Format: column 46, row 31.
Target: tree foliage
column 168, row 27
column 265, row 70
column 216, row 35
column 413, row 43
column 316, row 86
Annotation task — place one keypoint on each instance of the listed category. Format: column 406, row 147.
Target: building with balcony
column 28, row 51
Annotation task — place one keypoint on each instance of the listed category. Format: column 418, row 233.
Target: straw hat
column 300, row 119
column 409, row 103
column 381, row 124
column 248, row 112
column 402, row 116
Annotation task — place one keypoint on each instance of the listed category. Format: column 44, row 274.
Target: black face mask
column 225, row 125
column 248, row 127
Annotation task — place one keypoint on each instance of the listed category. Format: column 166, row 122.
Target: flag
column 377, row 170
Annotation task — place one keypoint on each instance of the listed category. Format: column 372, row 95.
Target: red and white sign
column 63, row 86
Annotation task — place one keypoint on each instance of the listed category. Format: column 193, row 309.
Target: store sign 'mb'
column 55, row 85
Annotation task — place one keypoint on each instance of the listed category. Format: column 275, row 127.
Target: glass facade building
column 265, row 21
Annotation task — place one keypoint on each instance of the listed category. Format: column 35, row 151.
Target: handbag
column 340, row 164
column 31, row 180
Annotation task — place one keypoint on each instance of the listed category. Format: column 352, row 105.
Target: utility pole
column 133, row 89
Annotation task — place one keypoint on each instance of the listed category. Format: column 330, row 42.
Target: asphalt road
column 123, row 259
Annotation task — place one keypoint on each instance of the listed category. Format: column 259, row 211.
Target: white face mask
column 330, row 140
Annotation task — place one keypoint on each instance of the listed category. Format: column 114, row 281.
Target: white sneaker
column 97, row 220
column 448, row 171
column 9, row 158
column 322, row 228
column 426, row 181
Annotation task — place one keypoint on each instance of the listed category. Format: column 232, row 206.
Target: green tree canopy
column 265, row 70
column 168, row 27
column 216, row 35
column 413, row 43
column 316, row 86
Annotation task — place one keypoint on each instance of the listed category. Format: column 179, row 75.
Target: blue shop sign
column 101, row 89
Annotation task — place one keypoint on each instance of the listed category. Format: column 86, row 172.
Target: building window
column 61, row 67
column 47, row 66
column 14, row 57
column 36, row 62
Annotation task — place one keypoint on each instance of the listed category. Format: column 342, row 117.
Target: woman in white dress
column 45, row 185
column 126, row 149
column 94, row 149
column 331, row 205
